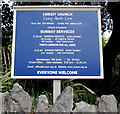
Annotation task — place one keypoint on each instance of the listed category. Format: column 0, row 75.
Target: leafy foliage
column 6, row 82
column 7, row 25
column 7, row 29
column 104, row 42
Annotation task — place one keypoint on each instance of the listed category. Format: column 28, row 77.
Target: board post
column 56, row 89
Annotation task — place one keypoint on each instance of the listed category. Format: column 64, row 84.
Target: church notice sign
column 57, row 42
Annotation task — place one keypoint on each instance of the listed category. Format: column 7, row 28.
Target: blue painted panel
column 57, row 43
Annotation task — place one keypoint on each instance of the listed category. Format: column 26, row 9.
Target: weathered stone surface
column 119, row 108
column 107, row 103
column 2, row 101
column 64, row 101
column 12, row 106
column 42, row 104
column 20, row 101
column 84, row 107
column 22, row 98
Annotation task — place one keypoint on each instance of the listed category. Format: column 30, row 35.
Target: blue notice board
column 57, row 43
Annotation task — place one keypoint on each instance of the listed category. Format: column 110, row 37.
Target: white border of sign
column 47, row 8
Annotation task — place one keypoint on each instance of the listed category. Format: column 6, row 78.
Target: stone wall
column 20, row 101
